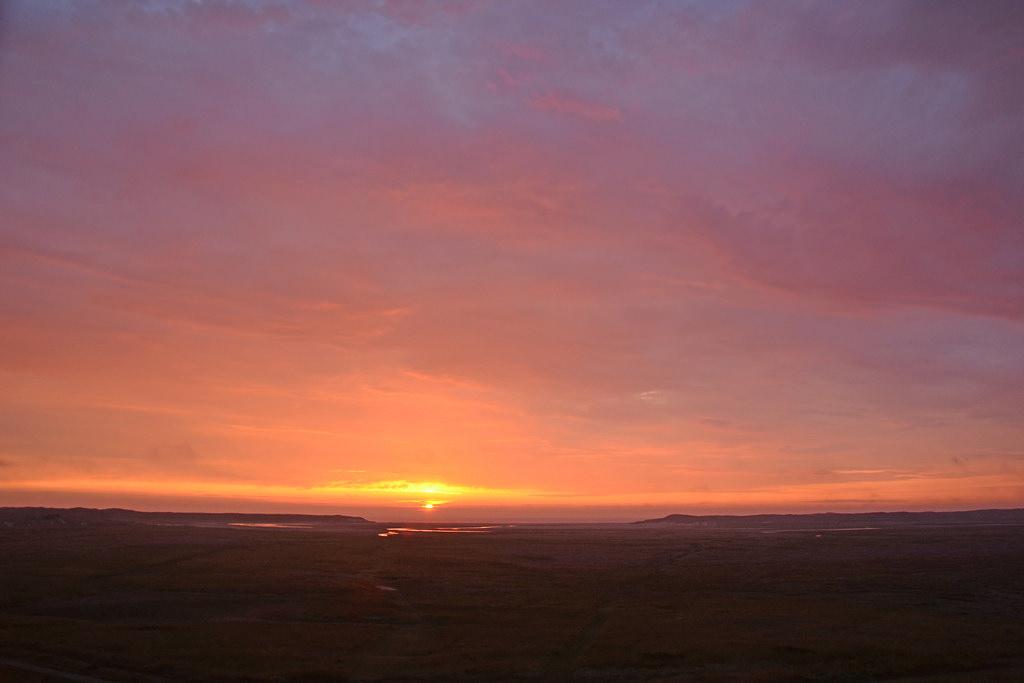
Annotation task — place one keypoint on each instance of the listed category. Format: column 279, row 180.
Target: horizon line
column 533, row 522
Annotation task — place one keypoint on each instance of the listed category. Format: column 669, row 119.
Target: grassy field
column 151, row 603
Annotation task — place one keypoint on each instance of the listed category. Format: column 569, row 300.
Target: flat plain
column 144, row 602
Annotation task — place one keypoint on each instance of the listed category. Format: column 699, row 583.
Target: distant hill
column 39, row 517
column 839, row 520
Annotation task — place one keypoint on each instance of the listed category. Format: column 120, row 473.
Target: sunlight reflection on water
column 269, row 525
column 839, row 528
column 399, row 530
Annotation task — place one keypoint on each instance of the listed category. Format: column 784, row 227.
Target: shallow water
column 399, row 530
column 269, row 525
column 840, row 528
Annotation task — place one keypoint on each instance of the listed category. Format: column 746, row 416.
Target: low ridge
column 38, row 517
column 833, row 520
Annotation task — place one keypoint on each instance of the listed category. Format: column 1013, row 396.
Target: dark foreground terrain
column 145, row 602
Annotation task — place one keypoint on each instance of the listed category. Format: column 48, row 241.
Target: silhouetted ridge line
column 57, row 517
column 832, row 520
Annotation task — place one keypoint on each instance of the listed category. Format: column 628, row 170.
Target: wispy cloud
column 572, row 106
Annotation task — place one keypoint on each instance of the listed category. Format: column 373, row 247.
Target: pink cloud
column 572, row 106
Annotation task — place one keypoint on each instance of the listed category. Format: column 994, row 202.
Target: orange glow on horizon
column 938, row 489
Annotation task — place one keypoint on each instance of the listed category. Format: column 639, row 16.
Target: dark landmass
column 653, row 602
column 41, row 517
column 834, row 520
column 52, row 517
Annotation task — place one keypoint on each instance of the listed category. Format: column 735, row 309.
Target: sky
column 518, row 260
